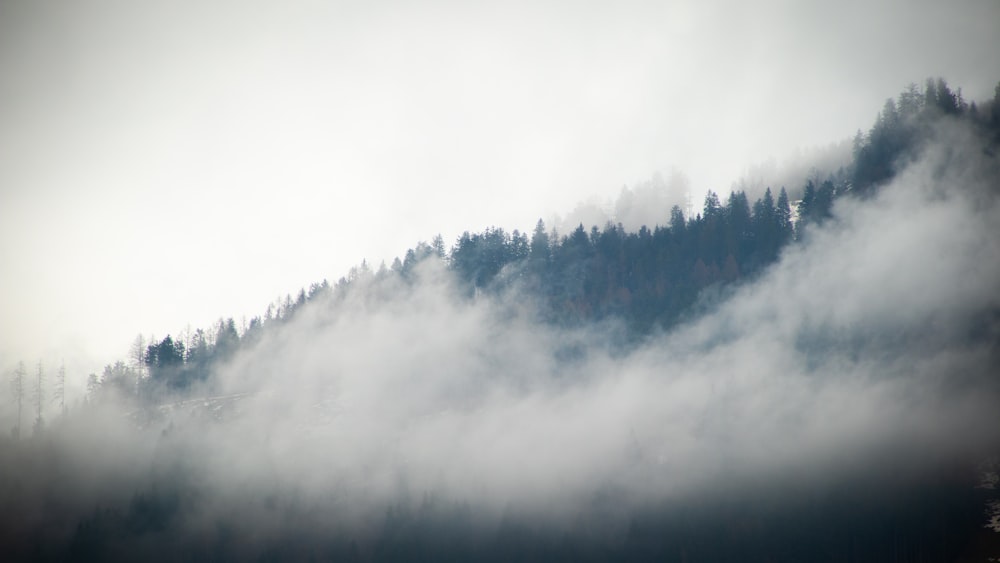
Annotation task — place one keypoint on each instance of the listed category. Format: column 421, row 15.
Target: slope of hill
column 725, row 386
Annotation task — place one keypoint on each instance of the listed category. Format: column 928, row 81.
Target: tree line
column 650, row 279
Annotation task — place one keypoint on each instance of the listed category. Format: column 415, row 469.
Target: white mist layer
column 857, row 339
column 861, row 339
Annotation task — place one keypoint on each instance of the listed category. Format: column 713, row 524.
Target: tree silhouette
column 39, row 396
column 17, row 393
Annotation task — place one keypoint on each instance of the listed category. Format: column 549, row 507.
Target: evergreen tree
column 677, row 222
column 165, row 361
column 930, row 94
column 947, row 102
column 910, row 102
column 438, row 245
column 540, row 249
column 783, row 215
column 712, row 206
column 227, row 340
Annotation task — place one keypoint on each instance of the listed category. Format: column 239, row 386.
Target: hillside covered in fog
column 805, row 374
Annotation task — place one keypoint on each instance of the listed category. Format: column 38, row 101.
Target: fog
column 866, row 354
column 168, row 163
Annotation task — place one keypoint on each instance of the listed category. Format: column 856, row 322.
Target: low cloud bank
column 869, row 349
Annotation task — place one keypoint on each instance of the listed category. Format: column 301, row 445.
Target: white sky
column 165, row 163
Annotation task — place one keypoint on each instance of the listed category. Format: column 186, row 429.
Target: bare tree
column 137, row 357
column 59, row 391
column 17, row 388
column 93, row 386
column 39, row 396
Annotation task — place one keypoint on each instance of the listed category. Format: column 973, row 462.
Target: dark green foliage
column 816, row 205
column 903, row 126
column 649, row 277
column 166, row 363
column 226, row 337
column 478, row 258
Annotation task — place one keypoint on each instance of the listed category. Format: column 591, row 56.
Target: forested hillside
column 809, row 375
column 649, row 279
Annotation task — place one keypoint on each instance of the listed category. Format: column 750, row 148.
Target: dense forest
column 630, row 287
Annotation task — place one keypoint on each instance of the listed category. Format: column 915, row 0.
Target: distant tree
column 712, row 206
column 677, row 222
column 93, row 386
column 930, row 94
column 165, row 361
column 824, row 201
column 858, row 145
column 17, row 393
column 519, row 246
column 478, row 258
column 910, row 102
column 946, row 99
column 438, row 245
column 59, row 389
column 889, row 118
column 540, row 249
column 227, row 340
column 137, row 355
column 119, row 377
column 738, row 230
column 783, row 214
column 39, row 396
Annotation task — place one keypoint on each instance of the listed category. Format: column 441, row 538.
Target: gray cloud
column 853, row 341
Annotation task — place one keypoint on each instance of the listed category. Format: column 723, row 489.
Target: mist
column 865, row 359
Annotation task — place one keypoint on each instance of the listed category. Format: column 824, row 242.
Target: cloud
column 869, row 345
column 859, row 337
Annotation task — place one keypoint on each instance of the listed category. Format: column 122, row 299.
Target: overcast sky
column 163, row 164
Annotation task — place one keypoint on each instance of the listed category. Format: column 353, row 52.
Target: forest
column 596, row 299
column 650, row 279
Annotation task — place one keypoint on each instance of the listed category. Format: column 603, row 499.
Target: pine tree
column 946, row 99
column 712, row 206
column 783, row 211
column 677, row 222
column 539, row 249
column 910, row 101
